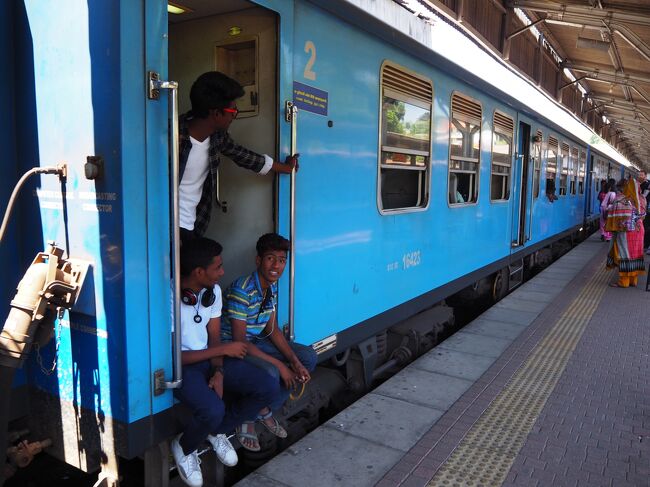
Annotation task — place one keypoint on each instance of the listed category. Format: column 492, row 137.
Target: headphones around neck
column 189, row 297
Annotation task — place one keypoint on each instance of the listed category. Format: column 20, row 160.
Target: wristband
column 217, row 368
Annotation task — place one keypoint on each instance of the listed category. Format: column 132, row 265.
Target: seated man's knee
column 267, row 367
column 211, row 417
column 269, row 384
column 308, row 356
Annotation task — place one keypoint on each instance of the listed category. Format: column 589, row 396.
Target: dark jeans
column 646, row 229
column 247, row 389
column 306, row 355
column 186, row 235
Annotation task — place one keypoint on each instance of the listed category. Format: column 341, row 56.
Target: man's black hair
column 270, row 242
column 198, row 252
column 213, row 90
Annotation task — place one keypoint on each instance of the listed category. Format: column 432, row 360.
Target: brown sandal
column 246, row 433
column 276, row 428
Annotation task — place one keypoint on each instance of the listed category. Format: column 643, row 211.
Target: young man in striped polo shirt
column 250, row 316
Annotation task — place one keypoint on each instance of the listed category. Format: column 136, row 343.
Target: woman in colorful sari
column 624, row 220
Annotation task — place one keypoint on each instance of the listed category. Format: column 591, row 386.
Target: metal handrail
column 292, row 223
column 177, row 377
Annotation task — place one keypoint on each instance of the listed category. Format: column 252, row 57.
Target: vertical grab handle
column 220, row 203
column 531, row 198
column 291, row 116
column 155, row 85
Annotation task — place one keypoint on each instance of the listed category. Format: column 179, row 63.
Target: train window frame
column 538, row 150
column 508, row 176
column 553, row 143
column 573, row 172
column 400, row 94
column 582, row 170
column 475, row 181
column 565, row 153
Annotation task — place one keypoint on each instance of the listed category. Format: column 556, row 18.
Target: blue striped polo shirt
column 243, row 300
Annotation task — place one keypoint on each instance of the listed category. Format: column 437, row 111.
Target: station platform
column 551, row 386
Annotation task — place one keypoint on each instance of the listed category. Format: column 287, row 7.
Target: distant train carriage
column 417, row 181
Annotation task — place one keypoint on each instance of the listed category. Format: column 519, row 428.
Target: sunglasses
column 232, row 111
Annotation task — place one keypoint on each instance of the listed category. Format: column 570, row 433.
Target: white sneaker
column 189, row 466
column 224, row 450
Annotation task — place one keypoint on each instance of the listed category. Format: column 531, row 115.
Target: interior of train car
column 239, row 39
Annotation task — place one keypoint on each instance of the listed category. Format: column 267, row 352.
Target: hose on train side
column 50, row 286
column 60, row 170
column 7, row 372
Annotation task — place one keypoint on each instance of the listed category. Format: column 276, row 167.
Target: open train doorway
column 523, row 208
column 239, row 39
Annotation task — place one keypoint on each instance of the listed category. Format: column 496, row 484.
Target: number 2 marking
column 308, row 73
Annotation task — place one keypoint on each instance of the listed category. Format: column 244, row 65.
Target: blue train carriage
column 417, row 180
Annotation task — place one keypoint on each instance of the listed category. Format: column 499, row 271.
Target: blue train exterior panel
column 350, row 254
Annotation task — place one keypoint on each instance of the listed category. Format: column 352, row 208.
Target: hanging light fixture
column 177, row 9
column 587, row 43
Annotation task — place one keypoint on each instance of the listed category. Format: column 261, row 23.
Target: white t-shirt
column 191, row 186
column 194, row 336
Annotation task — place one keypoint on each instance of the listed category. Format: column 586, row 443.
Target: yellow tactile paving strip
column 488, row 450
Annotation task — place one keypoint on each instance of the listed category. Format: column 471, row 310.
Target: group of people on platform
column 624, row 224
column 238, row 367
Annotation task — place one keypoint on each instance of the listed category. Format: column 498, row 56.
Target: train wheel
column 499, row 285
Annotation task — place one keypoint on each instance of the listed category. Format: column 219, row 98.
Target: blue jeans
column 305, row 354
column 247, row 389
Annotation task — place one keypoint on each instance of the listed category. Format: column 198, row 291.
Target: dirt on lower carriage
column 46, row 471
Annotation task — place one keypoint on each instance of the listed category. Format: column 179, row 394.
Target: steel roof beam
column 579, row 16
column 622, row 30
column 609, row 100
column 599, row 69
column 584, row 12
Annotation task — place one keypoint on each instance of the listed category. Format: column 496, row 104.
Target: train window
column 502, row 137
column 537, row 162
column 551, row 166
column 464, row 149
column 564, row 170
column 573, row 173
column 582, row 167
column 405, row 139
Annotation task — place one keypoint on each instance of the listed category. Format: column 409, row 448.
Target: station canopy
column 593, row 56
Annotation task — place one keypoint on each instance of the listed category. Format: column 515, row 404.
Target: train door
column 239, row 39
column 592, row 185
column 522, row 210
column 244, row 39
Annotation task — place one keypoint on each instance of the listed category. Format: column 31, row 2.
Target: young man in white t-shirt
column 211, row 370
column 203, row 138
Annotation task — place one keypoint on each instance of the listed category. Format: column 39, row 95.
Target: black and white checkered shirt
column 220, row 143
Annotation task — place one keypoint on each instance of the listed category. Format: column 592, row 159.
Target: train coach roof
column 478, row 64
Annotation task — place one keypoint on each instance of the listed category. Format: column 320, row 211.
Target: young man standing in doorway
column 204, row 138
